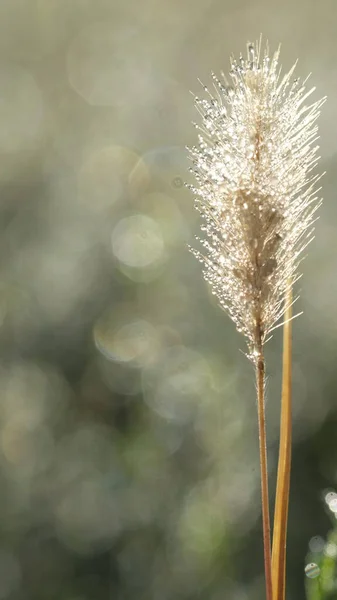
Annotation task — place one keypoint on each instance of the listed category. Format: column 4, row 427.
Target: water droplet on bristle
column 251, row 54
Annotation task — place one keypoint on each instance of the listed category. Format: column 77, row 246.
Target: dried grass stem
column 260, row 385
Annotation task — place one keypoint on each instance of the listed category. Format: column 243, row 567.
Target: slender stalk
column 260, row 384
column 284, row 465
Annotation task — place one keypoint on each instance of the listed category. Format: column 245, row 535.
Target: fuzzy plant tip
column 255, row 188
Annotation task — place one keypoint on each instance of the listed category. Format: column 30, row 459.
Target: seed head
column 255, row 189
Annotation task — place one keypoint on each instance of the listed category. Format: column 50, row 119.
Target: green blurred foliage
column 321, row 567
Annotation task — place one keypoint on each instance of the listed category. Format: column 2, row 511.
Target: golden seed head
column 255, row 190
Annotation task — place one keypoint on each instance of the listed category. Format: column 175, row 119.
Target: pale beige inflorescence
column 256, row 191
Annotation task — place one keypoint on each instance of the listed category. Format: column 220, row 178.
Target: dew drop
column 333, row 505
column 251, row 52
column 330, row 497
column 330, row 550
column 312, row 570
column 316, row 544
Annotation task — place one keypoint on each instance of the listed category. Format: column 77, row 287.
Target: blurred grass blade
column 284, row 464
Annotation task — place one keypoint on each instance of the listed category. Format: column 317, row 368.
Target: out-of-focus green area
column 128, row 435
column 321, row 567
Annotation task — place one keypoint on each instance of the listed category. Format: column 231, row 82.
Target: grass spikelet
column 256, row 192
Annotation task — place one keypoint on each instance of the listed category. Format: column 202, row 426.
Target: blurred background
column 128, row 435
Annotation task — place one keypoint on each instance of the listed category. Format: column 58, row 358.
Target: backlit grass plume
column 255, row 191
column 257, row 196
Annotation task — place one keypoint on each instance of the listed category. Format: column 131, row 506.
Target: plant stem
column 260, row 384
column 284, row 465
